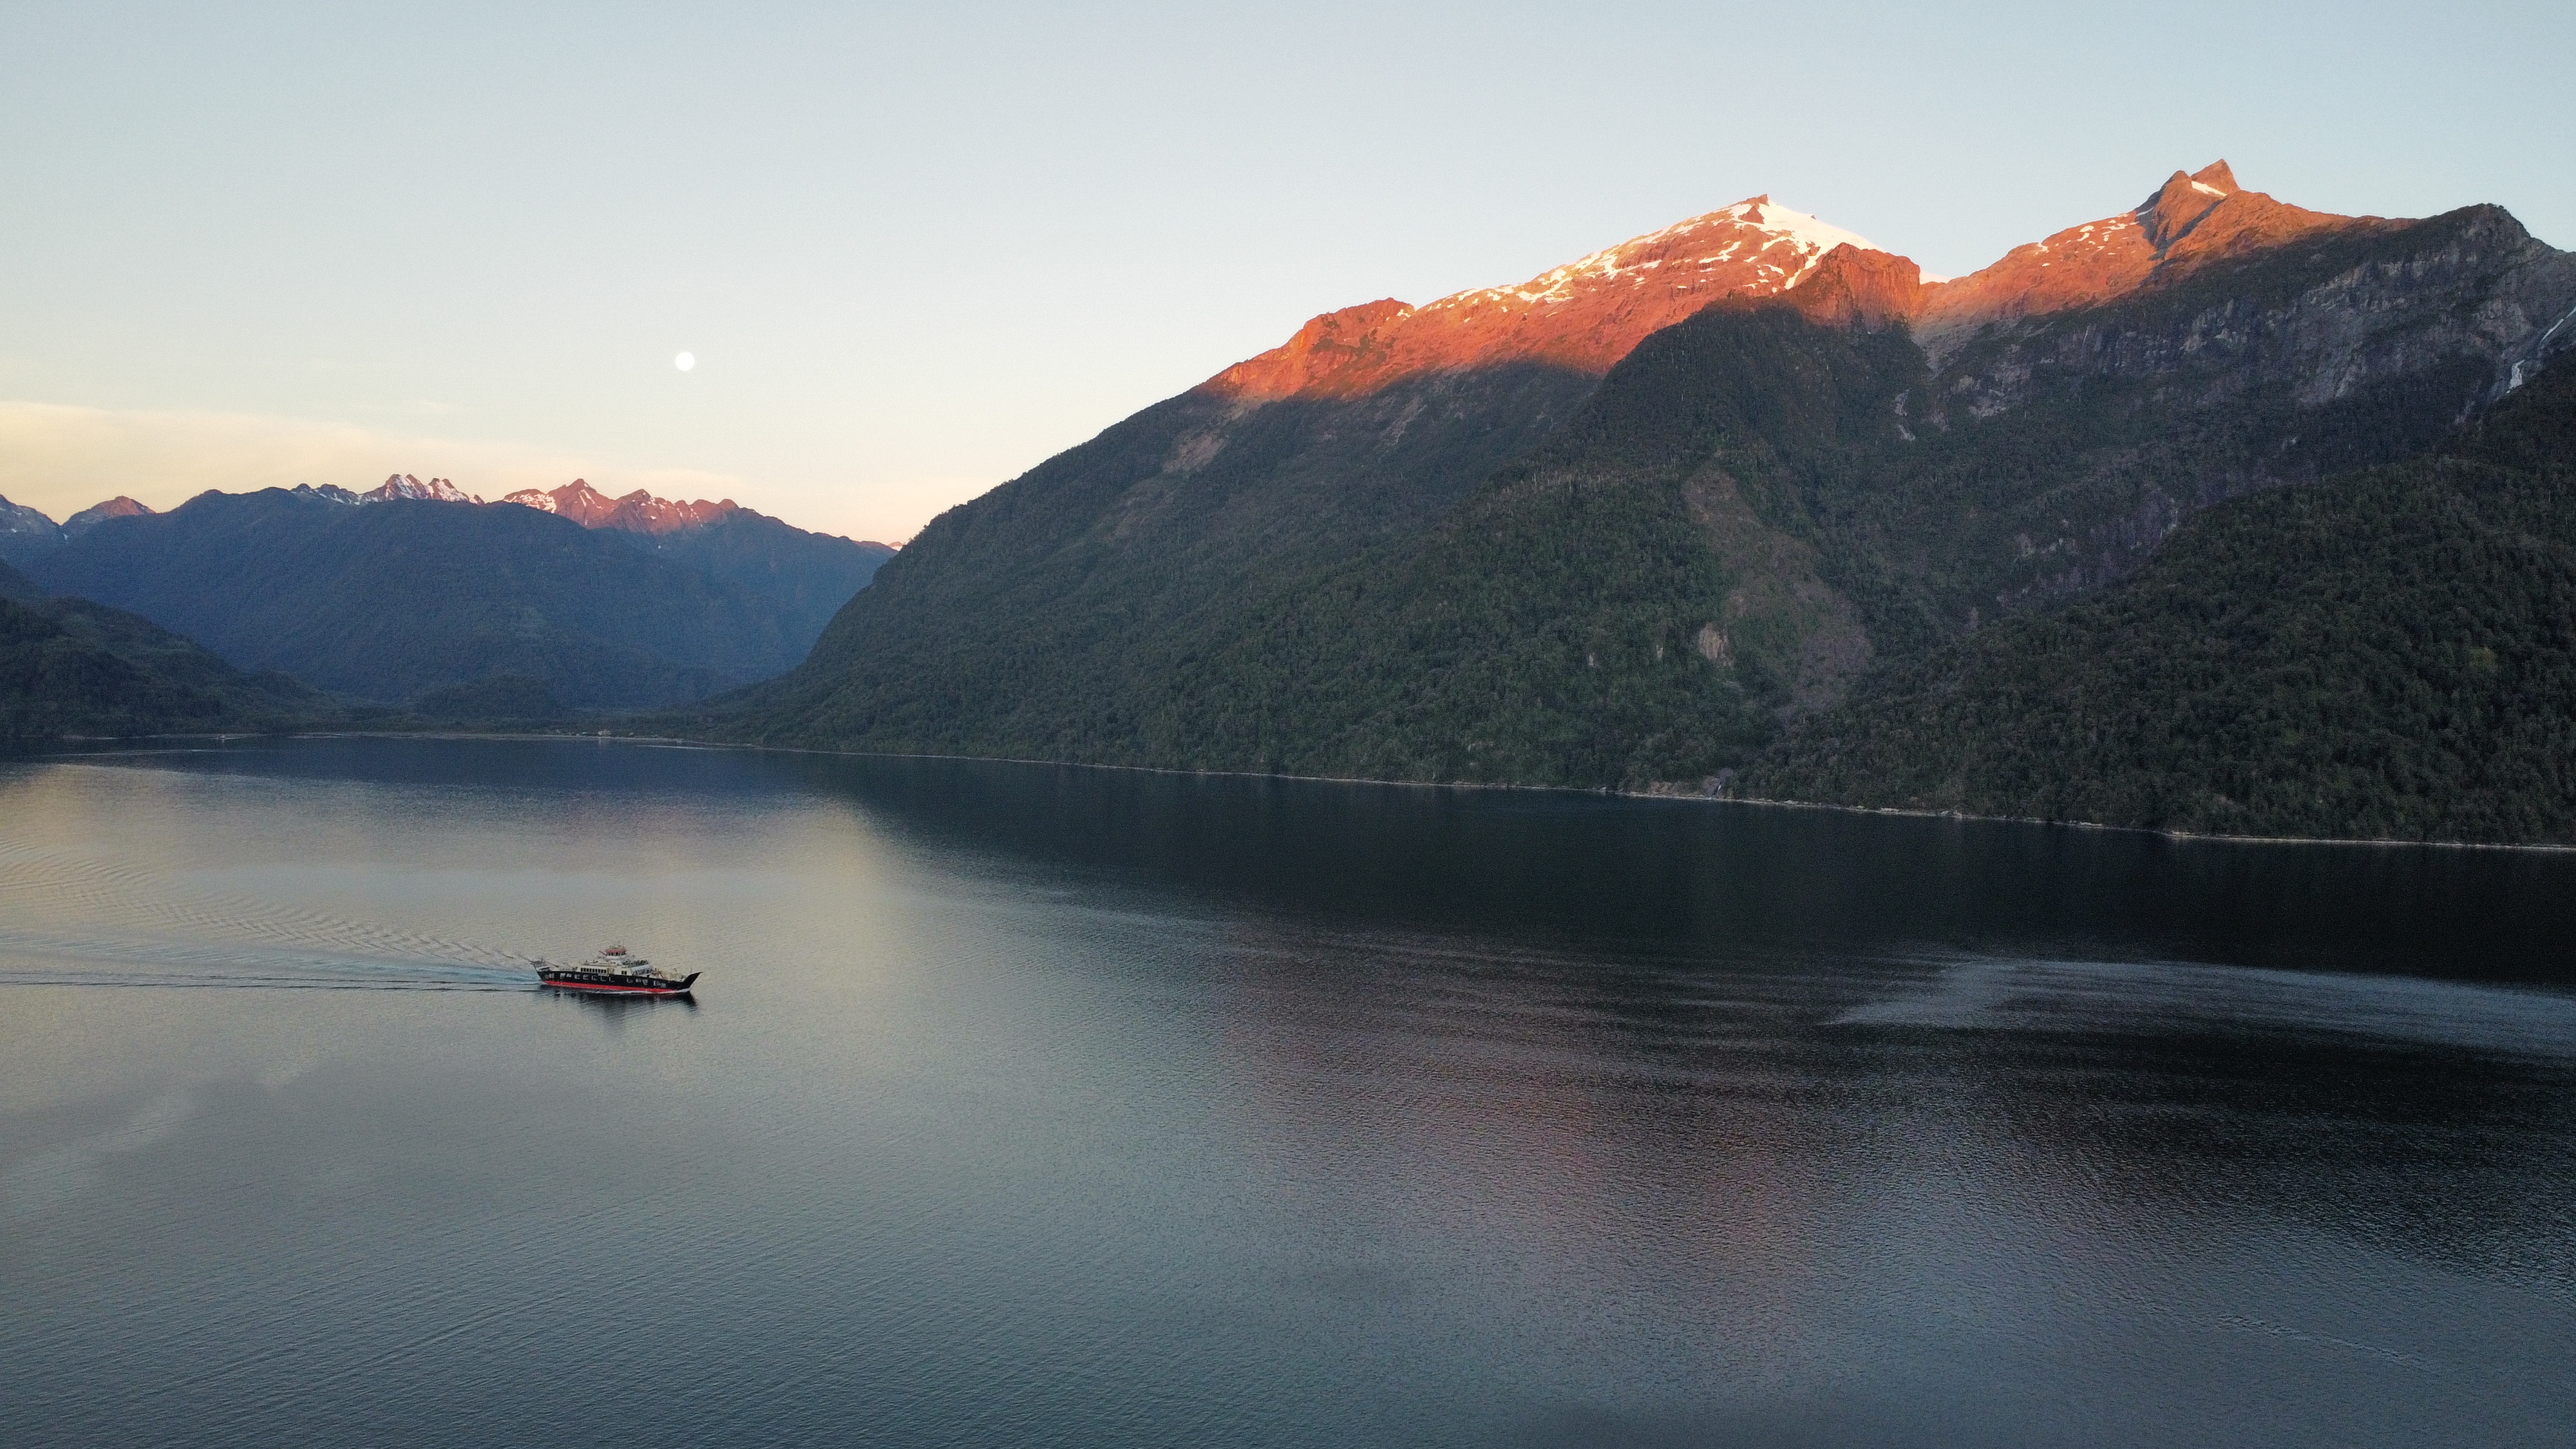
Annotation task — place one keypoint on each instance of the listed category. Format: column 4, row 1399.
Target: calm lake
column 1037, row 1106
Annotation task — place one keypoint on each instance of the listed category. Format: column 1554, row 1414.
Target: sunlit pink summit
column 637, row 512
column 1583, row 316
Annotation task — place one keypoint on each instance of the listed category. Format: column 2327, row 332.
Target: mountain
column 17, row 586
column 1037, row 618
column 26, row 534
column 1582, row 316
column 71, row 667
column 2191, row 221
column 387, row 593
column 2388, row 653
column 495, row 701
column 97, row 513
column 806, row 576
column 387, row 600
column 1443, row 543
column 637, row 512
column 403, row 486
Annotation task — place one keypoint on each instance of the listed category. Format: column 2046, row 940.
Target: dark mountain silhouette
column 415, row 586
column 25, row 533
column 392, row 599
column 806, row 576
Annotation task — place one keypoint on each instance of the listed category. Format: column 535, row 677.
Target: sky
column 916, row 250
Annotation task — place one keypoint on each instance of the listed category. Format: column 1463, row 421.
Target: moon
column 685, row 361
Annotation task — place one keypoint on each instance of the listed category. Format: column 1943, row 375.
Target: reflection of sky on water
column 1018, row 1107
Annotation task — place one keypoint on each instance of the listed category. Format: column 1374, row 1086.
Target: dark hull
column 603, row 982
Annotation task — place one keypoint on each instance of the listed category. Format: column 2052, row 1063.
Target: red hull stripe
column 586, row 986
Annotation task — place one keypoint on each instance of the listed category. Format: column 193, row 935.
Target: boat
column 614, row 972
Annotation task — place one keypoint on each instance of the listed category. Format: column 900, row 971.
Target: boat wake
column 77, row 920
column 1999, row 993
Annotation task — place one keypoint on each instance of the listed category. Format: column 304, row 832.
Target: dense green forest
column 1725, row 538
column 501, row 701
column 71, row 667
column 2389, row 653
column 1043, row 618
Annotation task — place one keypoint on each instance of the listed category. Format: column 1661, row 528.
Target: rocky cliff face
column 2343, row 346
column 1856, row 287
column 2336, row 312
column 2189, row 222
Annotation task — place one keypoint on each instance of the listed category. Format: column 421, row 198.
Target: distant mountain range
column 417, row 592
column 26, row 534
column 1679, row 515
column 807, row 577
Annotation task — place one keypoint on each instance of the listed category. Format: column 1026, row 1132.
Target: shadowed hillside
column 71, row 667
column 392, row 599
column 2390, row 653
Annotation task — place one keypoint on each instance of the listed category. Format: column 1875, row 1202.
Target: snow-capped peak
column 1807, row 231
column 1756, row 245
column 1585, row 315
column 637, row 512
column 404, row 485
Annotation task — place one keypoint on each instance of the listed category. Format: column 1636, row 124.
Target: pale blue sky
column 918, row 249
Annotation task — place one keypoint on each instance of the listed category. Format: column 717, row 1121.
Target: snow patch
column 404, row 485
column 1824, row 236
column 1807, row 238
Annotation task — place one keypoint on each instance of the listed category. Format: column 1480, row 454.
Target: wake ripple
column 117, row 924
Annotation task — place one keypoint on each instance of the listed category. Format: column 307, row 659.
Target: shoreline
column 605, row 737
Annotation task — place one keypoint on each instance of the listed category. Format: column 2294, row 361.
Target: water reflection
column 1587, row 866
column 1051, row 1106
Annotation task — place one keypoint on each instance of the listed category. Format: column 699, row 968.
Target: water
column 1050, row 1107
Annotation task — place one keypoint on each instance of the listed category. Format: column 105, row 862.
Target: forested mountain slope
column 1757, row 506
column 71, row 667
column 2391, row 653
column 1040, row 617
